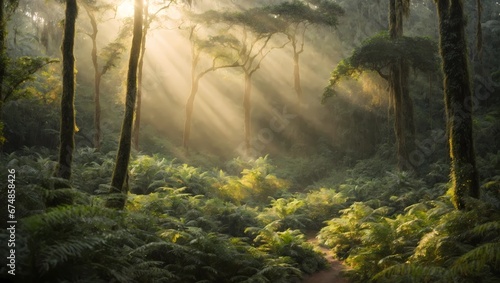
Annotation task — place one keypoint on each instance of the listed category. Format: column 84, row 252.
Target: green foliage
column 92, row 170
column 256, row 184
column 21, row 70
column 303, row 171
column 378, row 52
column 428, row 241
column 2, row 137
column 322, row 13
column 256, row 19
column 323, row 204
column 219, row 47
column 231, row 219
column 289, row 244
column 285, row 214
column 111, row 54
column 39, row 128
column 149, row 173
column 174, row 234
column 452, row 255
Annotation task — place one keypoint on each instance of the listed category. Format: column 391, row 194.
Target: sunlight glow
column 125, row 9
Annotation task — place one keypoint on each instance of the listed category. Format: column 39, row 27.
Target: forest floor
column 330, row 275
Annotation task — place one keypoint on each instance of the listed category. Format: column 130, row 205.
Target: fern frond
column 478, row 259
column 151, row 271
column 489, row 228
column 62, row 252
column 413, row 273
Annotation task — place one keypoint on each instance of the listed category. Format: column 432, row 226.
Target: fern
column 64, row 251
column 413, row 274
column 483, row 258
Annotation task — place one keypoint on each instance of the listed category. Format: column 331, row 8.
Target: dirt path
column 331, row 275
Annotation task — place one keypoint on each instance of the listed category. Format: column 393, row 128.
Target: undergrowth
column 244, row 223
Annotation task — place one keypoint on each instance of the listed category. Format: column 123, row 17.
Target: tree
column 399, row 89
column 112, row 53
column 11, row 5
column 16, row 68
column 3, row 62
column 458, row 97
column 118, row 180
column 138, row 104
column 148, row 19
column 67, row 132
column 390, row 55
column 257, row 27
column 245, row 48
column 213, row 46
column 299, row 16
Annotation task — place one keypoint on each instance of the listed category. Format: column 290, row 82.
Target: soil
column 330, row 275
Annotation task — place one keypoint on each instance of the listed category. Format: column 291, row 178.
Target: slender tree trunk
column 97, row 82
column 395, row 92
column 400, row 94
column 118, row 181
column 393, row 19
column 97, row 111
column 247, row 109
column 195, row 82
column 137, row 121
column 67, row 132
column 457, row 96
column 189, row 112
column 296, row 77
column 300, row 120
column 409, row 124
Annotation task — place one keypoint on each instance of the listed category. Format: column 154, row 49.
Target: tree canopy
column 378, row 52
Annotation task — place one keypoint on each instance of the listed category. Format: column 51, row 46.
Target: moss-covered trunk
column 67, row 132
column 3, row 60
column 138, row 107
column 457, row 96
column 97, row 80
column 3, row 63
column 97, row 111
column 400, row 93
column 407, row 106
column 123, row 156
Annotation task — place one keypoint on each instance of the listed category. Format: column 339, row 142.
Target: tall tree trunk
column 457, row 96
column 399, row 91
column 97, row 81
column 3, row 63
column 195, row 82
column 296, row 77
column 3, row 60
column 189, row 112
column 137, row 121
column 67, row 132
column 409, row 124
column 299, row 132
column 97, row 111
column 123, row 156
column 247, row 109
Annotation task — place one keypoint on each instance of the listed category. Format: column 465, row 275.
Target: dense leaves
column 377, row 53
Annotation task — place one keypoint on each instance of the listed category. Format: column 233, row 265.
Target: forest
column 279, row 141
